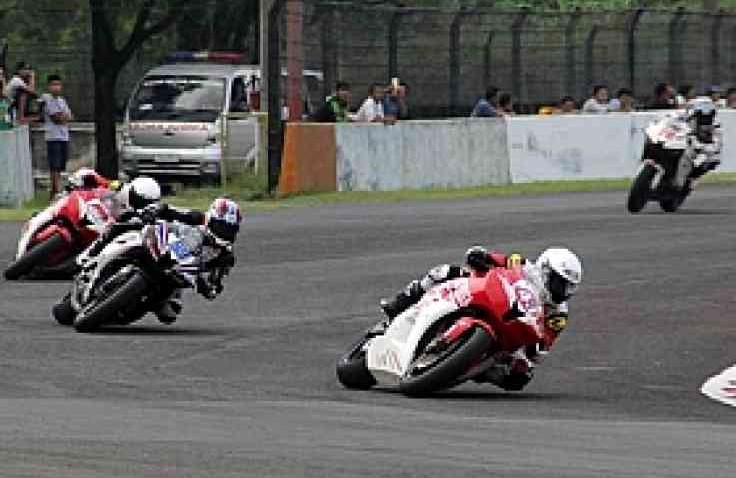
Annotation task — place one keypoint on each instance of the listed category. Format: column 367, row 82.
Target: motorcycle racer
column 551, row 280
column 212, row 244
column 208, row 236
column 704, row 134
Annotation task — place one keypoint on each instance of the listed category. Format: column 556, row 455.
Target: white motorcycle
column 671, row 153
column 132, row 275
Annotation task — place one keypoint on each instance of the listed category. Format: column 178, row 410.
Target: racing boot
column 170, row 309
column 403, row 300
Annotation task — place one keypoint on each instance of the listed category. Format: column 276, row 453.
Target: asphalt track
column 245, row 386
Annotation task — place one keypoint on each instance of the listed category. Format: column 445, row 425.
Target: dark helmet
column 477, row 259
column 701, row 114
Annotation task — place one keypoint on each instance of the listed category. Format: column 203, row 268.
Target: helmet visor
column 560, row 289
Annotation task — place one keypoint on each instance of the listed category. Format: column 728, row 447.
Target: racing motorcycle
column 51, row 240
column 669, row 157
column 452, row 335
column 132, row 275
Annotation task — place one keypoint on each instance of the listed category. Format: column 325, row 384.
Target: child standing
column 56, row 115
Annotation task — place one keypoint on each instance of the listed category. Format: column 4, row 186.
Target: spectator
column 395, row 106
column 20, row 91
column 371, row 110
column 505, row 105
column 598, row 103
column 5, row 121
column 731, row 98
column 567, row 106
column 335, row 108
column 3, row 81
column 716, row 95
column 486, row 107
column 57, row 115
column 685, row 94
column 624, row 101
column 664, row 97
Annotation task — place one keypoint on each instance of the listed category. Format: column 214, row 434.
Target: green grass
column 201, row 198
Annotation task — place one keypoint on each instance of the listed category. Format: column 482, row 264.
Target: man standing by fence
column 56, row 115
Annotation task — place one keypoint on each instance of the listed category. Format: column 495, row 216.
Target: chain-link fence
column 449, row 56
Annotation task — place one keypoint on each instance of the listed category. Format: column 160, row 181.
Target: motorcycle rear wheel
column 352, row 370
column 671, row 204
column 34, row 257
column 107, row 310
column 444, row 370
column 639, row 192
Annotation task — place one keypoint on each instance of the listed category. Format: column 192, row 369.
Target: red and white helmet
column 223, row 219
column 87, row 178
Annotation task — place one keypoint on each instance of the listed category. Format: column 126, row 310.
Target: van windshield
column 178, row 98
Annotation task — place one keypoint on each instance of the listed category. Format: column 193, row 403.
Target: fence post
column 715, row 44
column 329, row 48
column 393, row 44
column 4, row 54
column 275, row 126
column 517, row 28
column 570, row 38
column 675, row 45
column 455, row 32
column 294, row 57
column 590, row 57
column 631, row 23
column 487, row 59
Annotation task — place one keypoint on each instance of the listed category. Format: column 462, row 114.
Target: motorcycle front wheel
column 352, row 370
column 435, row 371
column 639, row 192
column 34, row 257
column 107, row 310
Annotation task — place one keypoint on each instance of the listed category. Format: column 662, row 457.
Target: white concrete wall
column 421, row 154
column 16, row 180
column 472, row 152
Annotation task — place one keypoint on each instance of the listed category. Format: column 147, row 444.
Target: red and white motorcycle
column 52, row 239
column 457, row 332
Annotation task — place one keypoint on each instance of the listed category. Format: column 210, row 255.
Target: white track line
column 722, row 387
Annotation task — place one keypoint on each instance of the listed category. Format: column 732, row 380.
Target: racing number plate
column 180, row 250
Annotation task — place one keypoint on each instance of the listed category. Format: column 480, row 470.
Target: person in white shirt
column 598, row 103
column 22, row 81
column 372, row 108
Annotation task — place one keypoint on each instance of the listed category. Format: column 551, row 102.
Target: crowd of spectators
column 387, row 104
column 21, row 103
column 664, row 96
column 384, row 104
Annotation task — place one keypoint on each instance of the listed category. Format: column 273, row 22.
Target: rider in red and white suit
column 549, row 281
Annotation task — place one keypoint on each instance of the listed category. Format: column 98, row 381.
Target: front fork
column 659, row 174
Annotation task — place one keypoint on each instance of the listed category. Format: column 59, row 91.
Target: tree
column 108, row 21
column 229, row 25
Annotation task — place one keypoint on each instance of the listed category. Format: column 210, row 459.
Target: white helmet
column 143, row 191
column 561, row 273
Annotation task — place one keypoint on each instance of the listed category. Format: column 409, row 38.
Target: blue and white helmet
column 223, row 219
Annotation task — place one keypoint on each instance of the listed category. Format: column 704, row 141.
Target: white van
column 178, row 113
